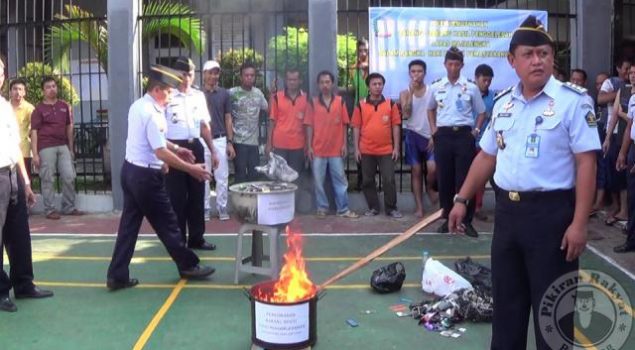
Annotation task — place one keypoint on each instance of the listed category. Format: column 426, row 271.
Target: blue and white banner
column 399, row 35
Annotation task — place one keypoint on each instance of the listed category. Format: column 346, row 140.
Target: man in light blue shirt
column 541, row 147
column 453, row 100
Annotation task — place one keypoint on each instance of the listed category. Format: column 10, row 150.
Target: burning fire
column 294, row 283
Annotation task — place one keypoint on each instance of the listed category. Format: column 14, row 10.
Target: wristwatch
column 230, row 141
column 176, row 147
column 459, row 199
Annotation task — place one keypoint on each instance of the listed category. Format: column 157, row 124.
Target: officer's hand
column 165, row 169
column 358, row 155
column 474, row 132
column 199, row 172
column 30, row 196
column 395, row 153
column 574, row 241
column 605, row 146
column 620, row 164
column 455, row 219
column 36, row 161
column 231, row 153
column 186, row 155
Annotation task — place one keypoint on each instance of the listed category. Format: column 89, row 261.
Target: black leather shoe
column 470, row 231
column 444, row 228
column 624, row 248
column 6, row 304
column 197, row 272
column 204, row 246
column 114, row 285
column 35, row 293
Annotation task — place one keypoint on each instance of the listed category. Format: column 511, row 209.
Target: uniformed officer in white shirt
column 188, row 123
column 148, row 154
column 450, row 114
column 541, row 147
column 15, row 194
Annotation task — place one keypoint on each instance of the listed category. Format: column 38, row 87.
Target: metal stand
column 253, row 263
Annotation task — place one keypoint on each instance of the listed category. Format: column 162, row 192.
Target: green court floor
column 166, row 313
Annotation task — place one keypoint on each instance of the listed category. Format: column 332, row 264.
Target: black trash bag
column 477, row 274
column 389, row 278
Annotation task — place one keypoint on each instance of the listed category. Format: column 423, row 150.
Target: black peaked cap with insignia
column 165, row 75
column 184, row 64
column 530, row 33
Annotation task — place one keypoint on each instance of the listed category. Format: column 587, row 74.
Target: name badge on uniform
column 532, row 147
column 503, row 115
column 459, row 104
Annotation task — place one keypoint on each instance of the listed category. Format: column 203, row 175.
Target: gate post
column 123, row 64
column 322, row 39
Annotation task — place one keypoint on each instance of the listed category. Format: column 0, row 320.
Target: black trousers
column 294, row 157
column 144, row 195
column 16, row 239
column 386, row 166
column 526, row 259
column 247, row 157
column 630, row 194
column 187, row 197
column 454, row 150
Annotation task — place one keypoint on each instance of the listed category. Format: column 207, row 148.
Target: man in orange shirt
column 376, row 122
column 326, row 128
column 286, row 132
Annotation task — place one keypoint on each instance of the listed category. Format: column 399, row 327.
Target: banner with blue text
column 399, row 35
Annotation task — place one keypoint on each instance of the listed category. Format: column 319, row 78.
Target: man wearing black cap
column 148, row 154
column 451, row 111
column 540, row 146
column 188, row 126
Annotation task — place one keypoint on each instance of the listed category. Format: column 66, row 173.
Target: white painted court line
column 611, row 261
column 317, row 234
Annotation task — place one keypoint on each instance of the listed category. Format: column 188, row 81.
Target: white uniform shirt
column 10, row 152
column 419, row 122
column 184, row 114
column 146, row 132
column 456, row 102
column 545, row 163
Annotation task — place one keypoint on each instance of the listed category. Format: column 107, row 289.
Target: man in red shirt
column 326, row 128
column 286, row 132
column 52, row 147
column 376, row 122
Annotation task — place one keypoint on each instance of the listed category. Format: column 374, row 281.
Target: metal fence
column 353, row 18
column 39, row 38
column 271, row 33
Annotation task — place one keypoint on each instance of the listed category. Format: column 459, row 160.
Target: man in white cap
column 220, row 110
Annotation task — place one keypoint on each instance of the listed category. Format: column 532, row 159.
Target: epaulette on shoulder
column 503, row 93
column 471, row 81
column 574, row 87
column 436, row 81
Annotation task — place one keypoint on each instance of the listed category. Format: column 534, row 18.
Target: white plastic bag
column 441, row 280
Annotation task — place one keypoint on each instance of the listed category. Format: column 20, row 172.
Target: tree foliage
column 290, row 50
column 34, row 72
column 159, row 17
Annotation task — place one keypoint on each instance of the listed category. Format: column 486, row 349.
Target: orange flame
column 294, row 283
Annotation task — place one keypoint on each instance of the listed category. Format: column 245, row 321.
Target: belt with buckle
column 526, row 196
column 456, row 128
column 219, row 136
column 143, row 165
